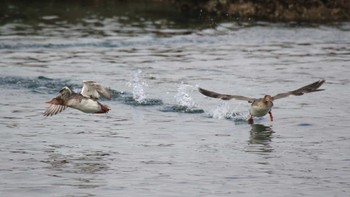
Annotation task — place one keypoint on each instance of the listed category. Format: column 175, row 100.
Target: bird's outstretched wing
column 54, row 109
column 306, row 89
column 93, row 90
column 224, row 96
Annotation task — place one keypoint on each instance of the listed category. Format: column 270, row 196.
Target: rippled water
column 161, row 137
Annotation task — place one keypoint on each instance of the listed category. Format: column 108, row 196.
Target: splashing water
column 138, row 96
column 183, row 98
column 223, row 110
column 184, row 102
column 138, row 90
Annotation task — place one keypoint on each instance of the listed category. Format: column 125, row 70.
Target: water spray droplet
column 138, row 87
column 184, row 102
column 222, row 110
column 182, row 97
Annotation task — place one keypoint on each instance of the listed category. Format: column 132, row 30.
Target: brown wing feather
column 224, row 96
column 54, row 109
column 306, row 89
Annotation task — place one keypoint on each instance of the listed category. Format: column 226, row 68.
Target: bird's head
column 268, row 98
column 65, row 92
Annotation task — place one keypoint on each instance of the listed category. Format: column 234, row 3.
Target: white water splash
column 182, row 97
column 223, row 110
column 138, row 92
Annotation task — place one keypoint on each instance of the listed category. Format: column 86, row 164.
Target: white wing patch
column 93, row 90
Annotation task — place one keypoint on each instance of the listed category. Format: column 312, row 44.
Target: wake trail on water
column 184, row 103
column 138, row 96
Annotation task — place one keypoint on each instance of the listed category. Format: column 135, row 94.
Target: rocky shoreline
column 271, row 10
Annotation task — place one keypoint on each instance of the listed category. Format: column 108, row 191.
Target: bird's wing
column 306, row 89
column 224, row 96
column 93, row 90
column 54, row 109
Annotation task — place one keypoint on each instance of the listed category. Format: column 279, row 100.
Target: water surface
column 161, row 137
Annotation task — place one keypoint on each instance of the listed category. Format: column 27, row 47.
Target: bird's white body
column 86, row 105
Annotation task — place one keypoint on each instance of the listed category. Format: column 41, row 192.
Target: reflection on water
column 88, row 164
column 260, row 138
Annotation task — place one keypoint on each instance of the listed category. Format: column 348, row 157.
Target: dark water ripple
column 40, row 84
column 127, row 98
column 181, row 109
column 105, row 44
column 131, row 42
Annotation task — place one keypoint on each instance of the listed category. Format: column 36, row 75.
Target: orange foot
column 104, row 109
column 250, row 120
column 271, row 117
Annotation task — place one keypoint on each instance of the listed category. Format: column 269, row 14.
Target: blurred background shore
column 239, row 10
column 273, row 10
